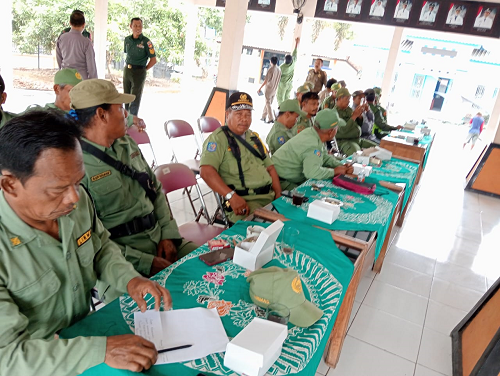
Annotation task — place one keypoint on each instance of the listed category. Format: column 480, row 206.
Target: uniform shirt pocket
column 109, row 196
column 38, row 291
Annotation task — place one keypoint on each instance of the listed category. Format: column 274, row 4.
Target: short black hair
column 134, row 19
column 85, row 115
column 288, row 59
column 318, row 58
column 310, row 95
column 24, row 138
column 2, row 85
column 274, row 60
column 330, row 82
column 77, row 18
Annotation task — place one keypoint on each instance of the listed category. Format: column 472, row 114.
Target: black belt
column 135, row 226
column 255, row 191
column 132, row 66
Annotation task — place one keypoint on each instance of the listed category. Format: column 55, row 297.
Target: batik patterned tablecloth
column 325, row 274
column 359, row 212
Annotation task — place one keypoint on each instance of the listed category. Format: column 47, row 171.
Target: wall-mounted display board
column 464, row 17
column 483, row 177
column 262, row 5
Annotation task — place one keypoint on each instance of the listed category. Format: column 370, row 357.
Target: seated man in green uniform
column 348, row 136
column 309, row 105
column 281, row 131
column 52, row 249
column 380, row 126
column 327, row 90
column 329, row 101
column 305, row 155
column 234, row 162
column 4, row 115
column 128, row 197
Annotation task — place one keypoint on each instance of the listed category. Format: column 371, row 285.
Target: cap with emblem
column 343, row 92
column 67, row 76
column 378, row 91
column 328, row 119
column 336, row 87
column 291, row 105
column 275, row 285
column 357, row 93
column 90, row 93
column 239, row 101
column 303, row 89
column 309, row 84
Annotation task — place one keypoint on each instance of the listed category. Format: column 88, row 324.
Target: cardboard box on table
column 358, row 168
column 378, row 152
column 323, row 211
column 255, row 349
column 253, row 256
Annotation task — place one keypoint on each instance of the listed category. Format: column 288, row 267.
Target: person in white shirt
column 354, row 7
column 455, row 18
column 377, row 9
column 330, row 6
column 402, row 12
column 484, row 21
column 429, row 14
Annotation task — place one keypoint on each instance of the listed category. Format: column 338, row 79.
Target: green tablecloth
column 359, row 213
column 323, row 268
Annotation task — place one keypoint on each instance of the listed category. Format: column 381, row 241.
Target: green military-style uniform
column 380, row 126
column 218, row 154
column 329, row 102
column 5, row 116
column 119, row 199
column 45, row 286
column 303, row 157
column 286, row 80
column 277, row 137
column 348, row 136
column 134, row 73
column 303, row 122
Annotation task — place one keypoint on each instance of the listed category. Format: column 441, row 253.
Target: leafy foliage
column 342, row 31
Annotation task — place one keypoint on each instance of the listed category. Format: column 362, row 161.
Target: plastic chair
column 174, row 176
column 207, row 124
column 181, row 128
column 141, row 138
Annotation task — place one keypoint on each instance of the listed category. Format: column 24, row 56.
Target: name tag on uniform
column 84, row 238
column 100, row 176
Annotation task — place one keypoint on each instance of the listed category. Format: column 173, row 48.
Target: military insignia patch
column 300, row 128
column 317, row 152
column 151, row 51
column 84, row 238
column 212, row 146
column 150, row 45
column 281, row 140
column 135, row 154
column 15, row 241
column 296, row 285
column 78, row 75
column 100, row 176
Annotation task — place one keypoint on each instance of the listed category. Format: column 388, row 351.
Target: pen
column 174, row 348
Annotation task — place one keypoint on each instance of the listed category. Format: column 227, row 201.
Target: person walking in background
column 287, row 71
column 476, row 127
column 271, row 82
column 73, row 50
column 317, row 76
column 138, row 49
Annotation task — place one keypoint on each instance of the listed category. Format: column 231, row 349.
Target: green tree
column 342, row 31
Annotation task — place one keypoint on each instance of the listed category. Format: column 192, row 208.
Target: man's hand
column 138, row 287
column 166, row 249
column 158, row 265
column 346, row 169
column 239, row 205
column 399, row 127
column 139, row 123
column 357, row 112
column 130, row 352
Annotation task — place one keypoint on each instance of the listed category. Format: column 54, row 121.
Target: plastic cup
column 297, row 198
column 289, row 240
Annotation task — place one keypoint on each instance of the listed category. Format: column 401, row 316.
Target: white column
column 304, row 31
column 6, row 63
column 492, row 130
column 233, row 30
column 191, row 11
column 391, row 64
column 100, row 34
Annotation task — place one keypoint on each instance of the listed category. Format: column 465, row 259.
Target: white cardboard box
column 323, row 211
column 359, row 157
column 255, row 349
column 359, row 167
column 381, row 153
column 253, row 256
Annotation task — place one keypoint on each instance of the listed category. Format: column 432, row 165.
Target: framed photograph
column 456, row 15
column 377, row 10
column 403, row 9
column 428, row 13
column 353, row 8
column 262, row 5
column 331, row 6
column 485, row 18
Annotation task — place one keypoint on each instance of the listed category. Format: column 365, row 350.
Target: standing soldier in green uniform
column 287, row 71
column 85, row 33
column 380, row 126
column 4, row 115
column 128, row 197
column 281, row 131
column 138, row 49
column 317, row 76
column 348, row 136
column 234, row 162
column 305, row 155
column 309, row 105
column 329, row 101
column 52, row 249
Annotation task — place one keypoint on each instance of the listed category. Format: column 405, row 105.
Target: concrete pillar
column 233, row 30
column 100, row 36
column 391, row 64
column 304, row 31
column 492, row 131
column 6, row 63
column 191, row 11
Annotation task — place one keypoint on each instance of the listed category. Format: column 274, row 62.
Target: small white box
column 255, row 349
column 381, row 153
column 253, row 256
column 359, row 157
column 323, row 211
column 359, row 167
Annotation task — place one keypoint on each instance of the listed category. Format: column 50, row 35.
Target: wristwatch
column 229, row 195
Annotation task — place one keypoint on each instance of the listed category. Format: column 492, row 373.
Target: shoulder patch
column 317, row 152
column 135, row 154
column 84, row 238
column 150, row 45
column 15, row 241
column 281, row 140
column 212, row 146
column 100, row 176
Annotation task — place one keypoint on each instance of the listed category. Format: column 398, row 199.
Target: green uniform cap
column 343, row 92
column 275, row 285
column 336, row 86
column 358, row 92
column 328, row 119
column 67, row 76
column 90, row 93
column 292, row 105
column 309, row 85
column 378, row 91
column 303, row 89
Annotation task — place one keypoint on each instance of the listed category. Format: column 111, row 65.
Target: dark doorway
column 442, row 87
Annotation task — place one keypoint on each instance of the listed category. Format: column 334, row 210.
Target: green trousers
column 283, row 92
column 133, row 83
column 349, row 147
column 254, row 202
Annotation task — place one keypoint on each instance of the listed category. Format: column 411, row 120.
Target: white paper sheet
column 199, row 327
